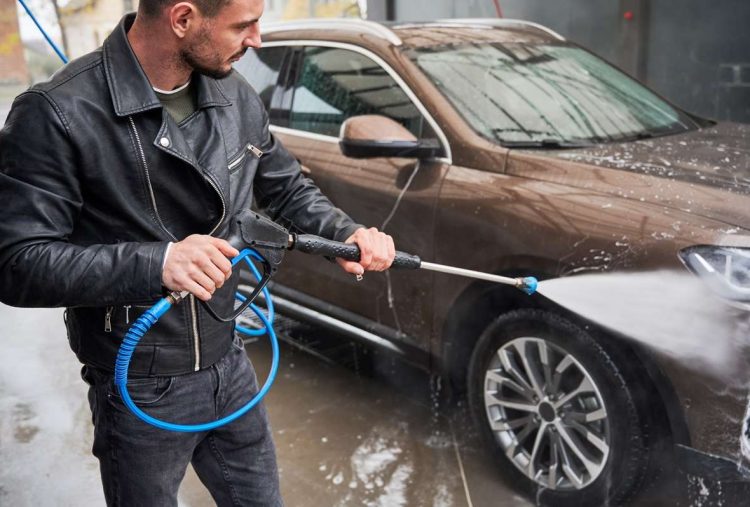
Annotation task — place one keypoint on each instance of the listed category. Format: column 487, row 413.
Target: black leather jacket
column 96, row 178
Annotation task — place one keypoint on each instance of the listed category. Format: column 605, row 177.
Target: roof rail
column 357, row 24
column 501, row 22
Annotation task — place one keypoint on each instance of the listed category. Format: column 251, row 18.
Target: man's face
column 217, row 42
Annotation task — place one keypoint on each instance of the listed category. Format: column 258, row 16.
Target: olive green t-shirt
column 180, row 102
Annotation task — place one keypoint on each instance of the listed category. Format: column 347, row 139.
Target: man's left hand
column 377, row 251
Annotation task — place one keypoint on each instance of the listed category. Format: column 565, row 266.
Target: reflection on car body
column 529, row 156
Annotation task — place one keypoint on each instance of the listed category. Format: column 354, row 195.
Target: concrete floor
column 343, row 439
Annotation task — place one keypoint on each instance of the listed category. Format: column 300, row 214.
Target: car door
column 329, row 83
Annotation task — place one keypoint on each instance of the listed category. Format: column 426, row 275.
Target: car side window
column 261, row 68
column 334, row 84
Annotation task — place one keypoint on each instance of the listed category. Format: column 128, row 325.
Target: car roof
column 413, row 34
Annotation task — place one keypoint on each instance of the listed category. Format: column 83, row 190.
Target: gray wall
column 699, row 56
column 696, row 53
column 589, row 22
column 416, row 10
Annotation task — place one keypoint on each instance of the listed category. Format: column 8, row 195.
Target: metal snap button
column 164, row 142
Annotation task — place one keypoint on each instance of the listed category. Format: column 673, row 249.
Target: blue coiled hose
column 141, row 326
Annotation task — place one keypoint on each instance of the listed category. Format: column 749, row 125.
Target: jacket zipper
column 148, row 178
column 196, row 343
column 108, row 319
column 215, row 186
column 234, row 163
column 255, row 151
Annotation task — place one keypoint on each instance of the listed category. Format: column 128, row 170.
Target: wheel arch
column 480, row 303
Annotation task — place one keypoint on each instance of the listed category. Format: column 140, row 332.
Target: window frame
column 275, row 106
column 296, row 48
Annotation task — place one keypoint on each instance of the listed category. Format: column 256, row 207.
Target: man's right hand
column 199, row 265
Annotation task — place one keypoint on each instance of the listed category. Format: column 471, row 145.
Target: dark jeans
column 142, row 465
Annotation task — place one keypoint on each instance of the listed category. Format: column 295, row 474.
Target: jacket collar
column 129, row 87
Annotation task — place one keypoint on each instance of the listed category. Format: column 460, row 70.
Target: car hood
column 705, row 172
column 718, row 156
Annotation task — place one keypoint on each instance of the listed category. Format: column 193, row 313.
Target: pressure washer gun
column 252, row 230
column 260, row 239
column 260, row 233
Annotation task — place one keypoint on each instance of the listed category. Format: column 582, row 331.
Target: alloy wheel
column 547, row 414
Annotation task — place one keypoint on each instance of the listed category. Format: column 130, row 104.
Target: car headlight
column 726, row 270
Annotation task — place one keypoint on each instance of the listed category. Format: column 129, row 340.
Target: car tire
column 562, row 422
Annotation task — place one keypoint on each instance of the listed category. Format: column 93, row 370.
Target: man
column 115, row 192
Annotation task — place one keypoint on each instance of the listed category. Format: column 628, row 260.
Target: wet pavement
column 343, row 438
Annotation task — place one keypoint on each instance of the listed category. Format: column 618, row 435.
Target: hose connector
column 527, row 284
column 175, row 297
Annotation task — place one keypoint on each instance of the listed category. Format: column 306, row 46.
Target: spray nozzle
column 527, row 284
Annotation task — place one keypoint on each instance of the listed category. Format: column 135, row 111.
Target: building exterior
column 12, row 63
column 86, row 23
column 273, row 11
column 296, row 9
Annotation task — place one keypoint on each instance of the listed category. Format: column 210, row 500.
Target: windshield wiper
column 638, row 136
column 648, row 134
column 546, row 144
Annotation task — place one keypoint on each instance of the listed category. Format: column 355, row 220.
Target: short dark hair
column 209, row 8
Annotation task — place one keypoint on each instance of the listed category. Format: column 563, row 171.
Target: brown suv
column 498, row 146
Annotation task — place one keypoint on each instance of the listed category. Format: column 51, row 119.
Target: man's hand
column 377, row 251
column 199, row 265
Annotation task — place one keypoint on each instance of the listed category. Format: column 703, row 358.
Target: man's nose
column 253, row 39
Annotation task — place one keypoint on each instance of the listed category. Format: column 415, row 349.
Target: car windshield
column 546, row 95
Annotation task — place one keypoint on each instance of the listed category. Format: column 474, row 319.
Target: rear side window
column 335, row 84
column 261, row 69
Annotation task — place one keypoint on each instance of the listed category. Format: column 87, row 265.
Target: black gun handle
column 316, row 245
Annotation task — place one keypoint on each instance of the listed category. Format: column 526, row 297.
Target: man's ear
column 183, row 16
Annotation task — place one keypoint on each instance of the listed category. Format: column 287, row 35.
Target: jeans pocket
column 143, row 391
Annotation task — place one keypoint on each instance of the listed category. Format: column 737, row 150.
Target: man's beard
column 191, row 57
column 217, row 72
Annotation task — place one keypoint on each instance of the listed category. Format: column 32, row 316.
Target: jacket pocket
column 236, row 162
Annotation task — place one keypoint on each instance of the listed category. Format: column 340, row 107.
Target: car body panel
column 372, row 189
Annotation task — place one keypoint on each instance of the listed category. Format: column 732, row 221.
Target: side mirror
column 372, row 135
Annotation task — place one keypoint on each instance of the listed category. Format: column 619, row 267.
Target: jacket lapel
column 200, row 144
column 129, row 86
